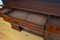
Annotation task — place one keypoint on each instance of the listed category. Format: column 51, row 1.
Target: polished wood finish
column 49, row 7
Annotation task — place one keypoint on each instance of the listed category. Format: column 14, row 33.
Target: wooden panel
column 50, row 7
column 52, row 36
column 37, row 19
column 52, row 31
column 19, row 14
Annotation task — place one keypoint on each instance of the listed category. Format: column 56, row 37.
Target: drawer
column 32, row 27
column 29, row 21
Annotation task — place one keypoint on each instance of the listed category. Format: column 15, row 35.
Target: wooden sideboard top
column 40, row 6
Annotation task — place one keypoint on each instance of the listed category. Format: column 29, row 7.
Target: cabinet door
column 52, row 31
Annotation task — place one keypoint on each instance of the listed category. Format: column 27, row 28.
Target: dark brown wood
column 24, row 24
column 52, row 31
column 51, row 36
column 39, row 6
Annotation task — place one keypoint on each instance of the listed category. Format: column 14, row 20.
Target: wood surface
column 52, row 31
column 48, row 7
column 24, row 24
